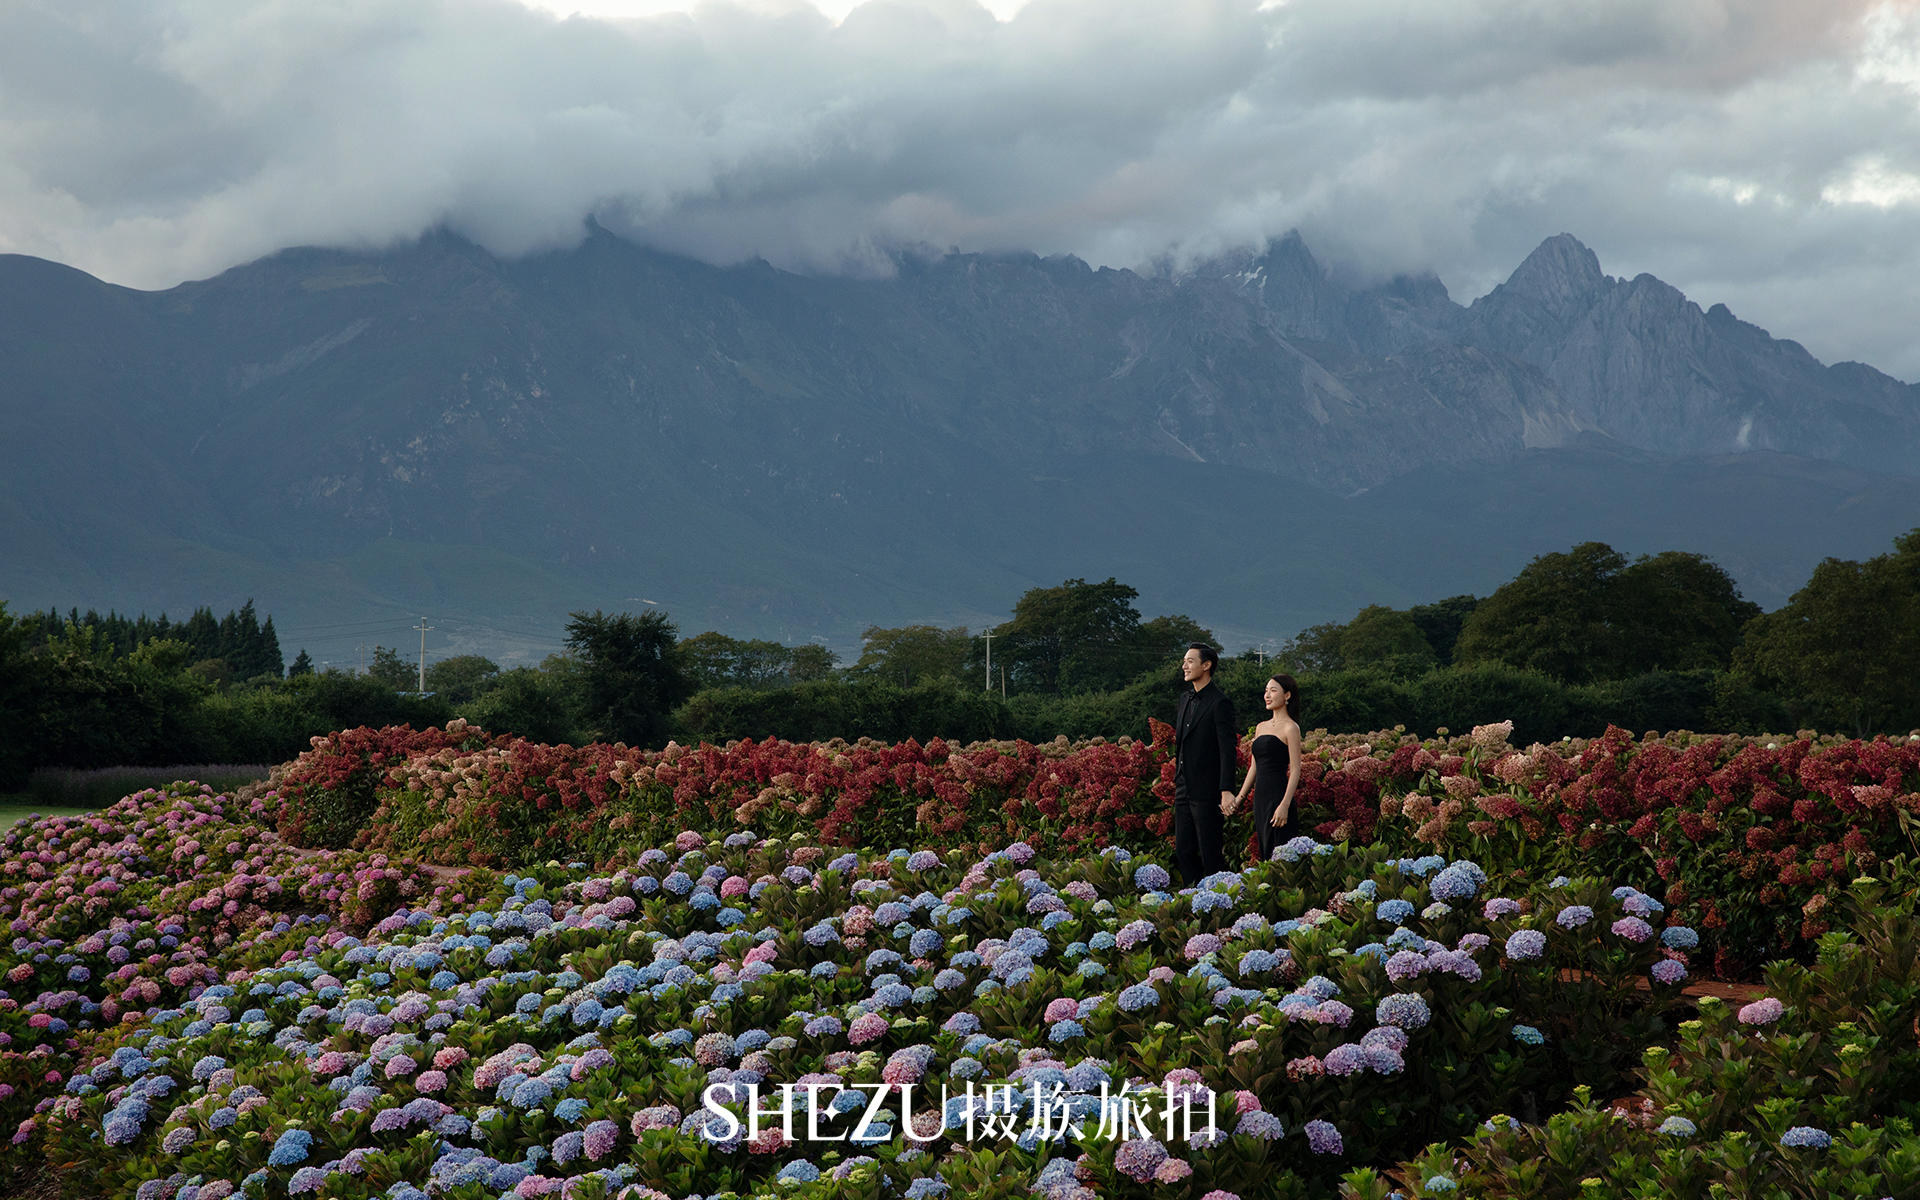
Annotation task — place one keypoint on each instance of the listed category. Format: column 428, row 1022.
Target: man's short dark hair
column 1208, row 654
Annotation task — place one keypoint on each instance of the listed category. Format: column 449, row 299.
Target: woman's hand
column 1280, row 816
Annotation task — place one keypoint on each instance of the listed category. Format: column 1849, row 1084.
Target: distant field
column 62, row 792
column 15, row 807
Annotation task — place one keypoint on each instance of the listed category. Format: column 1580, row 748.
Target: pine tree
column 201, row 633
column 268, row 657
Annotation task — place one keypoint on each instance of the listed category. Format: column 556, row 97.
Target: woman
column 1274, row 776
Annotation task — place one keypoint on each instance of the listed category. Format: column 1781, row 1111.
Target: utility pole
column 360, row 659
column 423, row 627
column 1003, row 681
column 989, row 638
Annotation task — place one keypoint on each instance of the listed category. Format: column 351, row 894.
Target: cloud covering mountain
column 1762, row 153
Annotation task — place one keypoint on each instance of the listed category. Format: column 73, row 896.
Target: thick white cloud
column 1764, row 153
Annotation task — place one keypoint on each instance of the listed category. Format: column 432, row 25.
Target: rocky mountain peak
column 1562, row 276
column 1299, row 290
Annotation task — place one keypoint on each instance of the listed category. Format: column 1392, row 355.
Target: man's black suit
column 1205, row 738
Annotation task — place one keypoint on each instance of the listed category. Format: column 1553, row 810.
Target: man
column 1204, row 740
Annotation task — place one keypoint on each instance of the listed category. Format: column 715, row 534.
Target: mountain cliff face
column 778, row 454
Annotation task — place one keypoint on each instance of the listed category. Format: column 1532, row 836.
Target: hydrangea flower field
column 196, row 1007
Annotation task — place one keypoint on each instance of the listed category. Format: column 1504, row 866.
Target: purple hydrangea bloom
column 1261, row 1124
column 1384, row 1060
column 1573, row 916
column 1139, row 1158
column 1324, row 1138
column 1405, row 965
column 1201, row 945
column 122, row 1123
column 1668, row 971
column 599, row 1139
column 1347, row 1059
column 1633, row 929
column 1525, row 944
column 1407, row 1010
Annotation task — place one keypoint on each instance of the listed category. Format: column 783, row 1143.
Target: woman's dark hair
column 1292, row 690
column 1208, row 654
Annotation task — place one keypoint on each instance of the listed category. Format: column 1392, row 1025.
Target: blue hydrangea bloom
column 290, row 1148
column 1395, row 910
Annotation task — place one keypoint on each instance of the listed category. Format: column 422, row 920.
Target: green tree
column 527, row 701
column 202, row 633
column 1677, row 612
column 392, row 671
column 1313, row 650
column 633, row 674
column 460, row 678
column 708, row 659
column 713, row 659
column 810, row 662
column 302, row 665
column 267, row 657
column 912, row 654
column 1440, row 622
column 1165, row 639
column 1589, row 614
column 1556, row 616
column 1846, row 647
column 1076, row 637
column 22, row 688
column 1387, row 640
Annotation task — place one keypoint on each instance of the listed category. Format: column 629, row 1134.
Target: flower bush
column 1747, row 840
column 195, row 1007
column 1807, row 1093
column 116, row 914
column 555, row 1033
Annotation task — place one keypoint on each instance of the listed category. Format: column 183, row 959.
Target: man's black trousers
column 1199, row 847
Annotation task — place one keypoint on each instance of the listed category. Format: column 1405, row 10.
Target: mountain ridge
column 749, row 441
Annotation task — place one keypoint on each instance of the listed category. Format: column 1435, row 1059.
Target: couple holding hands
column 1205, row 740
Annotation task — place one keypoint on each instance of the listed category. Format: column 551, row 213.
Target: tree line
column 1575, row 641
column 235, row 647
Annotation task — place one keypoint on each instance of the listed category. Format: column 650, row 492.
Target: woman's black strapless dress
column 1269, row 787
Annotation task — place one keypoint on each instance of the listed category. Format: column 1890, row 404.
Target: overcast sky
column 1762, row 153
